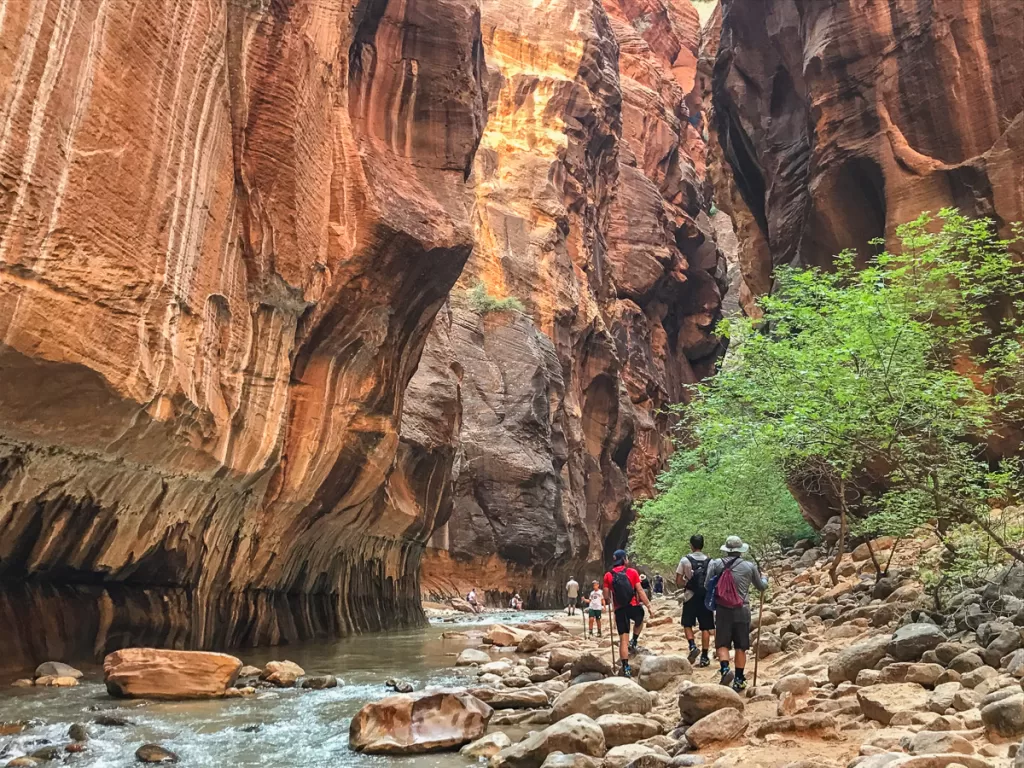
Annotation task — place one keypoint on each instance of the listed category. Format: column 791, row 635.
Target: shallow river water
column 282, row 728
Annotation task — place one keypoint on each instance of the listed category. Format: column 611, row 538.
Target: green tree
column 881, row 386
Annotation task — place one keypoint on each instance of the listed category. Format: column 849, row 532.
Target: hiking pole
column 757, row 643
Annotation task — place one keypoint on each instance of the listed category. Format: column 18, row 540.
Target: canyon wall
column 589, row 192
column 225, row 232
column 837, row 121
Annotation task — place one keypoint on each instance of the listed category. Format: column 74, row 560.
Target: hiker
column 595, row 608
column 659, row 584
column 572, row 591
column 519, row 602
column 471, row 599
column 621, row 589
column 645, row 584
column 691, row 575
column 728, row 581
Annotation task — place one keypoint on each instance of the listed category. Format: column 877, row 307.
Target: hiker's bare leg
column 705, row 640
column 723, row 654
column 741, row 659
column 688, row 631
column 624, row 647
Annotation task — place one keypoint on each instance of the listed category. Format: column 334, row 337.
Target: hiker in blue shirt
column 732, row 606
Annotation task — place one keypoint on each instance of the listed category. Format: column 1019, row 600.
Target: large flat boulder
column 721, row 726
column 502, row 635
column 627, row 729
column 909, row 642
column 573, row 734
column 529, row 697
column 851, row 660
column 152, row 673
column 615, row 695
column 882, row 702
column 414, row 723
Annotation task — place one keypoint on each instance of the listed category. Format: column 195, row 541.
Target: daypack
column 700, row 572
column 722, row 589
column 622, row 588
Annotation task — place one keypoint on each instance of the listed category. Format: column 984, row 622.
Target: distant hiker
column 645, row 584
column 659, row 584
column 471, row 599
column 572, row 591
column 728, row 585
column 691, row 575
column 621, row 589
column 595, row 608
column 516, row 603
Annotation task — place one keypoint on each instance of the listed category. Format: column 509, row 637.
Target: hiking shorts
column 572, row 602
column 631, row 613
column 695, row 614
column 594, row 613
column 732, row 628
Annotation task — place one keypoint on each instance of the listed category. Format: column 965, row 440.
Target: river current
column 284, row 728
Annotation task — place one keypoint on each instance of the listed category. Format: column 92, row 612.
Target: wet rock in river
column 78, row 732
column 50, row 681
column 154, row 753
column 283, row 674
column 250, row 671
column 112, row 721
column 425, row 722
column 47, row 753
column 472, row 656
column 161, row 674
column 23, row 683
column 487, row 746
column 320, row 682
column 57, row 669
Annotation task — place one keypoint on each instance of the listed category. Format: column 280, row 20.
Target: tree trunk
column 833, row 572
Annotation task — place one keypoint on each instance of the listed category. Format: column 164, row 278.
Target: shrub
column 483, row 302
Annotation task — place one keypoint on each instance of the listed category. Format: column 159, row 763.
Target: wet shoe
column 632, row 645
column 627, row 671
column 694, row 652
column 727, row 677
column 704, row 662
column 739, row 685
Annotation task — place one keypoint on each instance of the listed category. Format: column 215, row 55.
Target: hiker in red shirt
column 622, row 590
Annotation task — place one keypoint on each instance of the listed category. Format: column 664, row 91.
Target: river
column 284, row 728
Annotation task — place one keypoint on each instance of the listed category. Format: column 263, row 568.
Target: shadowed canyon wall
column 589, row 192
column 834, row 122
column 837, row 121
column 225, row 231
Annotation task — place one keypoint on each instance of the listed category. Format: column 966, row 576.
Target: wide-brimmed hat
column 734, row 545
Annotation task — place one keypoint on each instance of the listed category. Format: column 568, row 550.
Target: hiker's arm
column 642, row 594
column 681, row 574
column 760, row 581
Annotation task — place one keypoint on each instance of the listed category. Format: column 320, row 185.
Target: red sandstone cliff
column 224, row 235
column 836, row 122
column 589, row 210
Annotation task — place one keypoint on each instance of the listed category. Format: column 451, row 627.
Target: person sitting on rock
column 691, row 574
column 730, row 578
column 595, row 608
column 572, row 591
column 622, row 590
column 471, row 599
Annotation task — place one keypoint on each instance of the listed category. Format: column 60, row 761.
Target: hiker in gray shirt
column 732, row 624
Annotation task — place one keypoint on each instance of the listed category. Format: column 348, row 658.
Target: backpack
column 700, row 572
column 722, row 589
column 622, row 589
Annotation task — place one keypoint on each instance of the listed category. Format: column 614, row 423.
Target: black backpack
column 700, row 571
column 622, row 588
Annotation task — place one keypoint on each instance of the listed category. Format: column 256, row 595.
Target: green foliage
column 878, row 385
column 483, row 303
column 735, row 489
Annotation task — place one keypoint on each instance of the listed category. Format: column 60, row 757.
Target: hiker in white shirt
column 595, row 608
column 572, row 591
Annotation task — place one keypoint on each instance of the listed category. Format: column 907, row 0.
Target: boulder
column 472, row 656
column 627, row 729
column 966, row 662
column 486, row 746
column 56, row 682
column 57, row 669
column 797, row 684
column 769, row 645
column 463, row 606
column 851, row 660
column 154, row 753
column 699, row 701
column 910, row 641
column 656, row 672
column 560, row 658
column 320, row 682
column 1003, row 644
column 283, row 674
column 414, row 723
column 152, row 673
column 720, row 726
column 511, row 698
column 573, row 734
column 805, row 722
column 575, row 760
column 941, row 698
column 614, row 695
column 591, row 661
column 501, row 667
column 976, row 677
column 534, row 641
column 1004, row 719
column 249, row 671
column 1014, row 664
column 923, row 674
column 629, row 754
column 939, row 742
column 505, row 636
column 882, row 702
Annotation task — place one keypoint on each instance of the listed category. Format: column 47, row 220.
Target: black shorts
column 623, row 616
column 696, row 614
column 732, row 628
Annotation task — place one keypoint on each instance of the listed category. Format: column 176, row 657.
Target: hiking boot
column 632, row 645
column 727, row 677
column 704, row 661
column 739, row 684
column 627, row 671
column 693, row 654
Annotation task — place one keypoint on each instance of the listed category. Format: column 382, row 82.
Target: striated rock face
column 225, row 231
column 589, row 212
column 838, row 121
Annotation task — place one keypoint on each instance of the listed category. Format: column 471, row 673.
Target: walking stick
column 757, row 643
